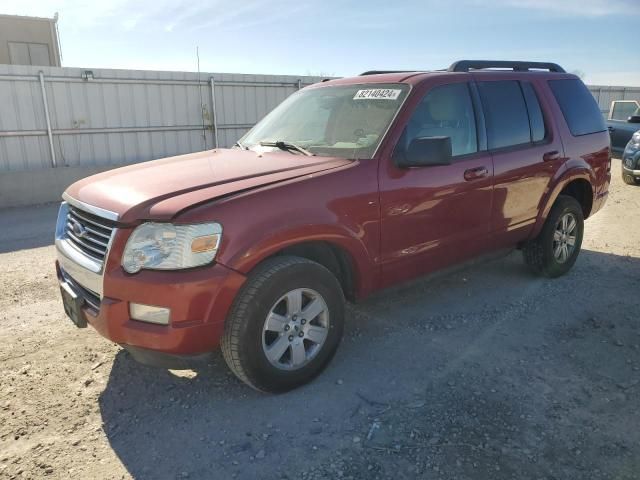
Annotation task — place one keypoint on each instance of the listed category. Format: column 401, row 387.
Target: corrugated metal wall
column 604, row 95
column 115, row 117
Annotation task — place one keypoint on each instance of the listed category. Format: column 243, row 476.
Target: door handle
column 475, row 173
column 551, row 156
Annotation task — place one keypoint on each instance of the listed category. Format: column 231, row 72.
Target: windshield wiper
column 287, row 146
column 240, row 146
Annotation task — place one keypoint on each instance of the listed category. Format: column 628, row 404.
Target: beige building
column 29, row 41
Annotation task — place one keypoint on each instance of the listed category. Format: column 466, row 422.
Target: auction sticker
column 377, row 94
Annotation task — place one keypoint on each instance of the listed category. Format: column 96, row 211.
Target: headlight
column 635, row 138
column 165, row 246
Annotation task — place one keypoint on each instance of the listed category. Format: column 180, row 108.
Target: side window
column 445, row 111
column 623, row 110
column 578, row 106
column 505, row 113
column 536, row 120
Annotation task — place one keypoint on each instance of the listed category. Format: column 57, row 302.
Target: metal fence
column 604, row 95
column 53, row 117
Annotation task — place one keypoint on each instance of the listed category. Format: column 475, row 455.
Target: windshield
column 341, row 121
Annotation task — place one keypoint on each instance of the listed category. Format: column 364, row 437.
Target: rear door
column 526, row 154
column 434, row 216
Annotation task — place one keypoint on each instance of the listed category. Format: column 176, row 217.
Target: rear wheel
column 556, row 248
column 285, row 325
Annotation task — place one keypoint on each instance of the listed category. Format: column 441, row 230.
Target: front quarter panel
column 338, row 206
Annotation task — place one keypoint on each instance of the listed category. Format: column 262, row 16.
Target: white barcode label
column 377, row 94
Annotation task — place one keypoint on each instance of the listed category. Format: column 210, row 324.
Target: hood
column 159, row 189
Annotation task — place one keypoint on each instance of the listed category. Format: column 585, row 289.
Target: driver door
column 435, row 216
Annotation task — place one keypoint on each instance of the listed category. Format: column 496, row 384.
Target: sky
column 598, row 39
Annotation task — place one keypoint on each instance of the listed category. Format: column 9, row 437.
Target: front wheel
column 554, row 251
column 630, row 180
column 285, row 325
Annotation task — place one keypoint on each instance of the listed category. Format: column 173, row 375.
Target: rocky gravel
column 486, row 372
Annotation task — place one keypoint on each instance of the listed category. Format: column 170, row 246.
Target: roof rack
column 466, row 65
column 378, row 72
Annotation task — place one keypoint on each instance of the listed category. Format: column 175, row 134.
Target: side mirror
column 634, row 119
column 427, row 151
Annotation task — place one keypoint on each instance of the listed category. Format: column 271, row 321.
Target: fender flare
column 581, row 171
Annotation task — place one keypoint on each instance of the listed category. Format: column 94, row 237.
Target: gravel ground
column 484, row 373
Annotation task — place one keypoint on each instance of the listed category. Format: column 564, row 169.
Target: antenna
column 204, row 132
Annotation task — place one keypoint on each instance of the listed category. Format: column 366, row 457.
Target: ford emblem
column 78, row 230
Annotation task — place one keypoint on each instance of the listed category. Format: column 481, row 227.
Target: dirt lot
column 488, row 372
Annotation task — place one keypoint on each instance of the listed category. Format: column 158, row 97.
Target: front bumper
column 633, row 173
column 199, row 301
column 199, row 298
column 631, row 161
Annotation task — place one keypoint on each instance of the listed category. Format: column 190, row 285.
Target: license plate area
column 73, row 304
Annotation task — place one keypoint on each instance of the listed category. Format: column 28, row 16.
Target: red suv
column 349, row 186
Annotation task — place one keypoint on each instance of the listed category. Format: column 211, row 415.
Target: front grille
column 89, row 233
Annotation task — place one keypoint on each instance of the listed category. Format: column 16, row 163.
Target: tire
column 541, row 253
column 629, row 180
column 272, row 291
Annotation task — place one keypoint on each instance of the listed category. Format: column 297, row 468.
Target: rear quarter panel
column 586, row 157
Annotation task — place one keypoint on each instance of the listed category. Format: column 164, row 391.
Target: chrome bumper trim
column 79, row 267
column 632, row 172
column 89, row 297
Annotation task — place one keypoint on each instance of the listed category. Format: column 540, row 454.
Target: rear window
column 505, row 113
column 578, row 106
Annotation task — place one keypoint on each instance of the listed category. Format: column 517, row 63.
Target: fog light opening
column 149, row 313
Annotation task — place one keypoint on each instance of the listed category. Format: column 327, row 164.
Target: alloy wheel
column 295, row 329
column 564, row 237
